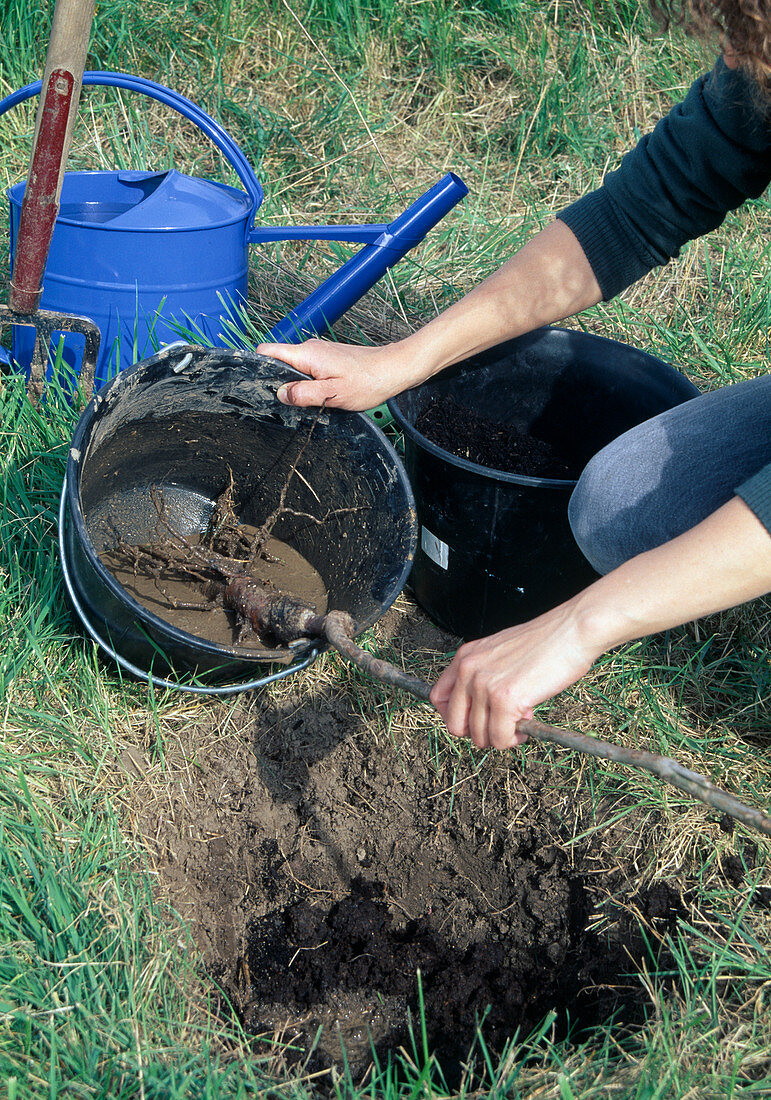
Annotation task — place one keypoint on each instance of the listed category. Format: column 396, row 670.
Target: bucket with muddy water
column 151, row 456
column 495, row 544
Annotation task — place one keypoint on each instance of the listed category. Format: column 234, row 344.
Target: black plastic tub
column 496, row 548
column 179, row 421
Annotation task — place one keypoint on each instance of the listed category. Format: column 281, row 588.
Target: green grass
column 348, row 110
column 96, row 993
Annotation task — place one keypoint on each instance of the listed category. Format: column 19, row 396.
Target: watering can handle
column 451, row 187
column 384, row 245
column 217, row 135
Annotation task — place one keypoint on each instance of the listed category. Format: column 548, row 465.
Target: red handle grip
column 41, row 195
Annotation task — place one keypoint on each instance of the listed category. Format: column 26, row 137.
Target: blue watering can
column 144, row 254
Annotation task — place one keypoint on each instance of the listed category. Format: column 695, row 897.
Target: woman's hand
column 495, row 682
column 550, row 278
column 343, row 376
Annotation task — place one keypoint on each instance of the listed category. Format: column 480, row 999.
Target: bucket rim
column 71, row 494
column 490, row 472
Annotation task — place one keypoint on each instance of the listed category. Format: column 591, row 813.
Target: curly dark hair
column 744, row 27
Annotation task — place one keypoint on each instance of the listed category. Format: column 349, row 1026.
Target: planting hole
column 324, row 861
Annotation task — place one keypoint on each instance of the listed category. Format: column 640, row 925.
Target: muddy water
column 287, row 570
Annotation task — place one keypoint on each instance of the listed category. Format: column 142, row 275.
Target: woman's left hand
column 493, row 683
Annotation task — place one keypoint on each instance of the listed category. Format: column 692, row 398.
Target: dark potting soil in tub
column 284, row 568
column 463, row 432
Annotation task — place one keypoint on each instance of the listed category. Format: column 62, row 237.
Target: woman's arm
column 547, row 280
column 704, row 158
column 495, row 682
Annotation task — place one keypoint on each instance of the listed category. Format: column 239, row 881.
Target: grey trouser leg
column 666, row 475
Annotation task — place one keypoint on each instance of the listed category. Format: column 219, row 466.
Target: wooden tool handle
column 62, row 81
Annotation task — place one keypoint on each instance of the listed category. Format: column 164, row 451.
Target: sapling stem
column 339, row 630
column 264, row 610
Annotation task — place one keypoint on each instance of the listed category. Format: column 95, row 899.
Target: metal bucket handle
column 220, row 137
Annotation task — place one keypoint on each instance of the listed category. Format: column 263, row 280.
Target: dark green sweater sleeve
column 709, row 154
column 756, row 494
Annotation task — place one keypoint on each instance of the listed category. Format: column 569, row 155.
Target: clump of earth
column 336, row 871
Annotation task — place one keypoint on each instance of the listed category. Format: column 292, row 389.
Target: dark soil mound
column 324, row 863
column 461, row 431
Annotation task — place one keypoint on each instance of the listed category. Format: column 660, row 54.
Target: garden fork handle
column 62, row 80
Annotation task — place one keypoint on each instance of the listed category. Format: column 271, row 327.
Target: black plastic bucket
column 496, row 548
column 179, row 422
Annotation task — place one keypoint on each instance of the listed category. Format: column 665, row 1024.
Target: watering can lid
column 172, row 200
column 139, row 201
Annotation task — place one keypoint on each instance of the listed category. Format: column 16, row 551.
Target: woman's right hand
column 344, row 376
column 550, row 278
column 495, row 682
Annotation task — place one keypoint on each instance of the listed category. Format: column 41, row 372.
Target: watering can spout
column 341, row 290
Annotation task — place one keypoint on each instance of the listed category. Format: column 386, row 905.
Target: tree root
column 264, row 610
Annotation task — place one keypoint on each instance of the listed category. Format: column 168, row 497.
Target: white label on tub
column 434, row 548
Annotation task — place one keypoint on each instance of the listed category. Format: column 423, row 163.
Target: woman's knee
column 665, row 475
column 595, row 513
column 617, row 509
